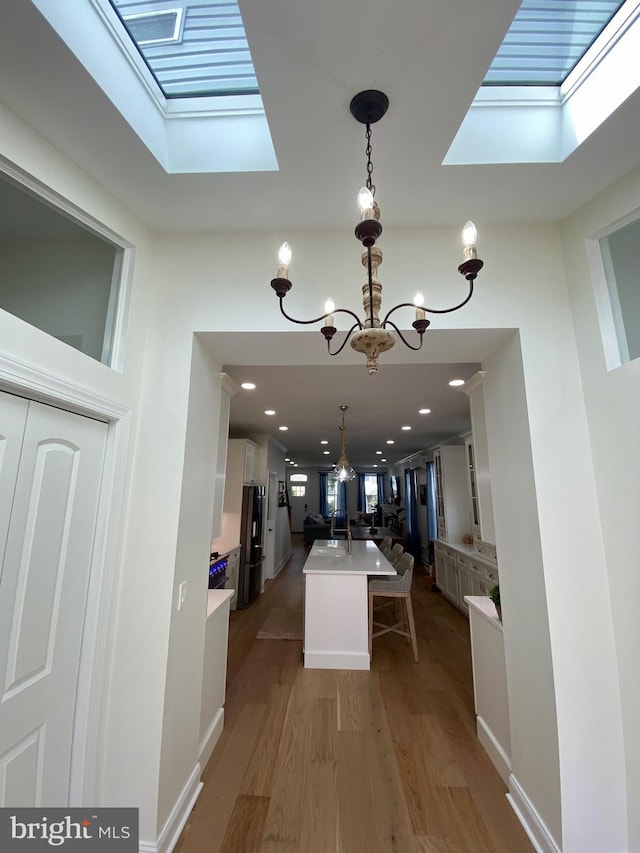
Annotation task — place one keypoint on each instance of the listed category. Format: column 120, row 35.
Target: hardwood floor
column 323, row 761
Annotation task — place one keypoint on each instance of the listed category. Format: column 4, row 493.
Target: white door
column 53, row 500
column 270, row 530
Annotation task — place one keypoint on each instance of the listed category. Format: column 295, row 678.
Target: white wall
column 611, row 399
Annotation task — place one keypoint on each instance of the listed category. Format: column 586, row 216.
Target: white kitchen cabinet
column 460, row 573
column 233, row 564
column 228, row 389
column 243, row 458
column 251, row 461
column 451, row 492
column 480, row 451
column 490, row 683
column 214, row 671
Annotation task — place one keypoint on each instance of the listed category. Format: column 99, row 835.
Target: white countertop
column 329, row 556
column 216, row 598
column 483, row 605
column 468, row 550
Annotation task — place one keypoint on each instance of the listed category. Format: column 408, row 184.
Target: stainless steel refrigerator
column 250, row 569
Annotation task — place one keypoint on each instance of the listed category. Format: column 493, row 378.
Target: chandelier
column 343, row 470
column 373, row 336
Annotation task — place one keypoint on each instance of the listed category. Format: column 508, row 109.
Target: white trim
column 337, row 660
column 499, row 758
column 174, row 825
column 87, row 744
column 119, row 294
column 531, row 821
column 615, row 351
column 212, row 735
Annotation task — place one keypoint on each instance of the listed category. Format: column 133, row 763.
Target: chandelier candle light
column 373, row 336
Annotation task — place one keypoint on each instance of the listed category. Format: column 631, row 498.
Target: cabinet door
column 464, row 587
column 251, row 460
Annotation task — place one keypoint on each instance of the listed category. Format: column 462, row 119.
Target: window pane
column 56, row 274
column 298, row 491
column 621, row 257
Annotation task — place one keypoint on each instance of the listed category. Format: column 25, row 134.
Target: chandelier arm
column 343, row 344
column 402, row 337
column 428, row 310
column 322, row 317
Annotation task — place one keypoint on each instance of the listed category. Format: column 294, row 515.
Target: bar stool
column 400, row 590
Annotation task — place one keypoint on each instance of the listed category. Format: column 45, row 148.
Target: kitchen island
column 336, row 600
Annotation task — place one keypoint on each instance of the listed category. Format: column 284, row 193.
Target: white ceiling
column 306, row 395
column 429, row 57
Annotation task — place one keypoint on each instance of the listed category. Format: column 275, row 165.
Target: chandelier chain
column 368, row 150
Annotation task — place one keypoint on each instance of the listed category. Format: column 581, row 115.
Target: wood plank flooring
column 323, row 761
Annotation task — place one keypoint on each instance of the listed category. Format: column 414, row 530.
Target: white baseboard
column 337, row 660
column 283, row 563
column 174, row 825
column 501, row 761
column 210, row 739
column 533, row 824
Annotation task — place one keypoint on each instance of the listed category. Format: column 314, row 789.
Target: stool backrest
column 396, row 552
column 386, row 543
column 404, row 568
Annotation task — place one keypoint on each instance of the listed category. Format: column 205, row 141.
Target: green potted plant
column 494, row 595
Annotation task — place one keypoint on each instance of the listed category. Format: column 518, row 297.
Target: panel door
column 43, row 591
column 13, row 417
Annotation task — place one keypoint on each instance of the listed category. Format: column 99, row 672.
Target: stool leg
column 412, row 628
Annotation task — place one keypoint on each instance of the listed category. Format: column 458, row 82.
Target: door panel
column 43, row 594
column 13, row 417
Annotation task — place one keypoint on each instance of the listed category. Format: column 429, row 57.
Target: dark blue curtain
column 324, row 509
column 412, row 538
column 382, row 492
column 341, row 502
column 362, row 498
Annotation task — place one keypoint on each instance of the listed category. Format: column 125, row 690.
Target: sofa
column 315, row 527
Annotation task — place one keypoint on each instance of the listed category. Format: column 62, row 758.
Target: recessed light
column 424, row 411
column 287, row 459
column 383, row 460
column 375, row 466
column 283, row 428
column 248, row 386
column 390, row 441
column 455, row 382
column 324, row 441
column 378, row 453
column 269, row 412
column 326, row 452
column 406, row 427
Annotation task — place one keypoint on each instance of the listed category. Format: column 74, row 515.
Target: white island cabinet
column 214, row 673
column 490, row 683
column 336, row 627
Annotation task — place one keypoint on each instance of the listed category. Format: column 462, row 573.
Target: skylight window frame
column 545, row 124
column 178, row 132
column 177, row 29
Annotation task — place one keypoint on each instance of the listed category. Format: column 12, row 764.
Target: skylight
column 562, row 70
column 546, row 40
column 187, row 86
column 193, row 49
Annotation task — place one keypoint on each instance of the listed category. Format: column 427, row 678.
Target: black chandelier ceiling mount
column 373, row 336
